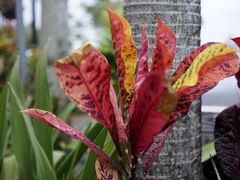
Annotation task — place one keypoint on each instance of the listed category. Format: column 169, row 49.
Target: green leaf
column 89, row 168
column 43, row 100
column 20, row 139
column 3, row 124
column 64, row 165
column 63, row 114
column 208, row 149
column 10, row 169
column 75, row 156
column 25, row 143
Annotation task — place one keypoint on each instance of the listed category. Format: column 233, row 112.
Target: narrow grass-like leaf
column 26, row 146
column 43, row 100
column 89, row 168
column 10, row 169
column 19, row 137
column 74, row 159
column 3, row 124
column 57, row 123
column 215, row 168
column 64, row 164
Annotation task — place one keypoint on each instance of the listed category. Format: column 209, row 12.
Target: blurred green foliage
column 8, row 51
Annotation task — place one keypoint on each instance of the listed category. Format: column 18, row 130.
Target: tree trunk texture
column 55, row 27
column 181, row 156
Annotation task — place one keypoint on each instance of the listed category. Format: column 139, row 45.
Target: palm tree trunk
column 180, row 158
column 55, row 27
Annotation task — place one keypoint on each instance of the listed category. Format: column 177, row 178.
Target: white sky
column 220, row 22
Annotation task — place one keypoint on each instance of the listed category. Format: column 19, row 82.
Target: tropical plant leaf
column 152, row 152
column 121, row 126
column 43, row 100
column 237, row 76
column 161, row 58
column 103, row 171
column 150, row 116
column 222, row 62
column 88, row 169
column 85, row 78
column 56, row 123
column 142, row 68
column 21, row 129
column 126, row 56
column 145, row 121
column 227, row 141
column 237, row 41
column 165, row 34
column 65, row 164
column 186, row 63
column 64, row 114
column 207, row 59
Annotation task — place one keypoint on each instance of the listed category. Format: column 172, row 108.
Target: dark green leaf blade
column 65, row 163
column 43, row 100
column 89, row 168
column 26, row 141
column 3, row 124
column 19, row 136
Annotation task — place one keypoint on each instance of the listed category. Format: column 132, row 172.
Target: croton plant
column 227, row 136
column 150, row 102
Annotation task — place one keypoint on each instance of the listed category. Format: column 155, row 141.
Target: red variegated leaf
column 186, row 63
column 142, row 69
column 208, row 58
column 167, row 36
column 126, row 56
column 104, row 172
column 120, row 124
column 209, row 75
column 141, row 127
column 147, row 118
column 60, row 125
column 152, row 152
column 237, row 75
column 237, row 41
column 227, row 141
column 85, row 78
column 160, row 58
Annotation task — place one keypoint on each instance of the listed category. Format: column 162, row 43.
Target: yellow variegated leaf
column 190, row 77
column 129, row 56
column 126, row 56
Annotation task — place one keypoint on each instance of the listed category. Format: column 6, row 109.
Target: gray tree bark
column 55, row 26
column 181, row 156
